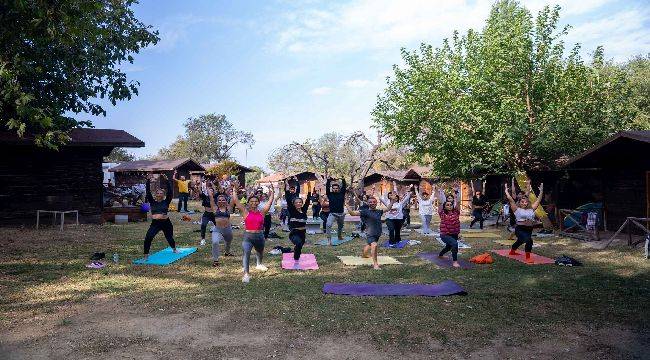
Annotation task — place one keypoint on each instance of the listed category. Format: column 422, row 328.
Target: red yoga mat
column 537, row 259
column 306, row 262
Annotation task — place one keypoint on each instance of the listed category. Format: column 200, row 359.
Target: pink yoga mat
column 306, row 262
column 537, row 259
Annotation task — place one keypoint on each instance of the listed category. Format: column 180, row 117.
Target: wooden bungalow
column 241, row 173
column 135, row 172
column 616, row 172
column 34, row 178
column 271, row 180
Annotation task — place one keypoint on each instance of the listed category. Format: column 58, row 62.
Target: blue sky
column 291, row 70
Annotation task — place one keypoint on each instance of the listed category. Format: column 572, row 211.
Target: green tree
column 62, row 57
column 257, row 174
column 208, row 138
column 504, row 99
column 638, row 73
column 119, row 155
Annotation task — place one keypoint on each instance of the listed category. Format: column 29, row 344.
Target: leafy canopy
column 208, row 138
column 504, row 99
column 62, row 57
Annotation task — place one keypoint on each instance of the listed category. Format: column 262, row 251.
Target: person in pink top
column 253, row 229
column 449, row 212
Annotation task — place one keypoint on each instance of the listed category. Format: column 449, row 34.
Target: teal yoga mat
column 335, row 241
column 165, row 256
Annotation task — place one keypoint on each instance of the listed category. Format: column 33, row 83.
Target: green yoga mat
column 335, row 241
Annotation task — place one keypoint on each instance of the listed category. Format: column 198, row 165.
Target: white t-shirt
column 523, row 215
column 425, row 206
column 396, row 211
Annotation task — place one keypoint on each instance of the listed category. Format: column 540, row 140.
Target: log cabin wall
column 36, row 179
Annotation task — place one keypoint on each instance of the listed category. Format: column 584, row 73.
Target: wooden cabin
column 617, row 171
column 34, row 178
column 130, row 173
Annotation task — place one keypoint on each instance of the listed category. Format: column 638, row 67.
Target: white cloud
column 356, row 84
column 622, row 34
column 323, row 90
column 361, row 25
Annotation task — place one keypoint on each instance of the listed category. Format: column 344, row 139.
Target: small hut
column 34, row 178
column 130, row 173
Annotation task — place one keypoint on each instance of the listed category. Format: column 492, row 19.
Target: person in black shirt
column 315, row 204
column 478, row 203
column 159, row 204
column 372, row 220
column 297, row 220
column 336, row 195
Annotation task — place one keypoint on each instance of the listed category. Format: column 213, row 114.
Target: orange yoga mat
column 537, row 259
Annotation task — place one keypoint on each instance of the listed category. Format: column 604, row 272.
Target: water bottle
column 116, row 258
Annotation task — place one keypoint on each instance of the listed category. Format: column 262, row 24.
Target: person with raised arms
column 425, row 207
column 525, row 220
column 183, row 191
column 449, row 212
column 478, row 204
column 297, row 220
column 335, row 192
column 371, row 216
column 222, row 230
column 159, row 205
column 394, row 213
column 253, row 230
column 208, row 211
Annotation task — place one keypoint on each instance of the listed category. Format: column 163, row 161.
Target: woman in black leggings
column 159, row 204
column 297, row 220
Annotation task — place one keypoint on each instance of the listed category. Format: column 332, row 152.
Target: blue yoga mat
column 444, row 288
column 399, row 245
column 165, row 256
column 335, row 241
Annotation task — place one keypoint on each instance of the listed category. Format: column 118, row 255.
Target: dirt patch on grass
column 114, row 328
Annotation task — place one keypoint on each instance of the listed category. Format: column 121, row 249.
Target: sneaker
column 202, row 242
column 246, row 279
column 261, row 267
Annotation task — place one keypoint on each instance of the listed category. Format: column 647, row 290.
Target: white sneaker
column 261, row 267
column 202, row 242
column 246, row 279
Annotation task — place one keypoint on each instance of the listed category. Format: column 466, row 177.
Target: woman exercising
column 478, row 204
column 208, row 210
column 159, row 204
column 449, row 212
column 222, row 230
column 297, row 220
column 324, row 210
column 254, row 231
column 395, row 215
column 425, row 206
column 525, row 220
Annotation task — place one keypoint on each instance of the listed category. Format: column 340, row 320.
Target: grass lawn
column 52, row 306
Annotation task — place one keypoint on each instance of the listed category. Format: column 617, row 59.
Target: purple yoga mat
column 445, row 288
column 399, row 245
column 446, row 262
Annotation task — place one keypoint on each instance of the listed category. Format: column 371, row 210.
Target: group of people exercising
column 220, row 198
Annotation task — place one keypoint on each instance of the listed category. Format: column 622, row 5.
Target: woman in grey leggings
column 254, row 230
column 222, row 231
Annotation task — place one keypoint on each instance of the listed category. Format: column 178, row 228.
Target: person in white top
column 425, row 206
column 394, row 214
column 525, row 217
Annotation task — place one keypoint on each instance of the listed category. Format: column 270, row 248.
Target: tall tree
column 119, row 155
column 503, row 99
column 61, row 57
column 208, row 138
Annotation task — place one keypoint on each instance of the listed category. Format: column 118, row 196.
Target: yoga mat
column 479, row 235
column 335, row 241
column 165, row 256
column 509, row 243
column 537, row 259
column 306, row 262
column 399, row 245
column 446, row 261
column 358, row 260
column 445, row 288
